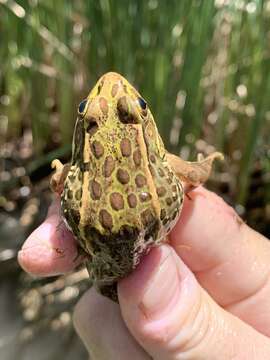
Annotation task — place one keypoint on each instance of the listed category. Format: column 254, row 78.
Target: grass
column 203, row 66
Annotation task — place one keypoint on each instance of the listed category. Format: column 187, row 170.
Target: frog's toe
column 59, row 176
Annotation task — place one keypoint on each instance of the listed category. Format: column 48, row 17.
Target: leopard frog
column 122, row 192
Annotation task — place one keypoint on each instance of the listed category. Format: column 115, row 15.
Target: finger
column 99, row 324
column 230, row 260
column 50, row 249
column 172, row 317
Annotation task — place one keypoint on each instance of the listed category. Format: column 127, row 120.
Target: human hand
column 204, row 295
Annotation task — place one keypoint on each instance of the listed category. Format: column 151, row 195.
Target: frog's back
column 125, row 196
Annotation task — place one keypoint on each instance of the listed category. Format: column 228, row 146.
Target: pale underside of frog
column 122, row 192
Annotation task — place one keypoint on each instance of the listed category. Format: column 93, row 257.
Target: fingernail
column 163, row 288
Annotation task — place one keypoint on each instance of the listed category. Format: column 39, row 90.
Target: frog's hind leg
column 194, row 173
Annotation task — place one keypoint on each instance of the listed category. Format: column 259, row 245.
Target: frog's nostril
column 92, row 126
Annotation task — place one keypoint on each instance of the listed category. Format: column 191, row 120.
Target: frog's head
column 114, row 96
column 114, row 103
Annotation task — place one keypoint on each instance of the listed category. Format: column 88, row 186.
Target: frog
column 122, row 192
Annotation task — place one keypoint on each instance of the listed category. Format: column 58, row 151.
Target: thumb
column 172, row 317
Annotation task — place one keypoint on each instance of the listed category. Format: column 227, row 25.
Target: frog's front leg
column 58, row 178
column 194, row 173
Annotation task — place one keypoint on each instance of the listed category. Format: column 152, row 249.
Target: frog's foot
column 58, row 178
column 194, row 173
column 109, row 291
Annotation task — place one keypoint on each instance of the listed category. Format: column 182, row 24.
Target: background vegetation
column 203, row 66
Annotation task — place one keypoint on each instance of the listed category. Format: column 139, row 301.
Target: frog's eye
column 142, row 103
column 82, row 107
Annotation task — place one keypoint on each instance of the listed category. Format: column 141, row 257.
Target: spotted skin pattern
column 120, row 195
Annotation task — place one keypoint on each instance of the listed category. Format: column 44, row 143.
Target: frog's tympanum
column 122, row 192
